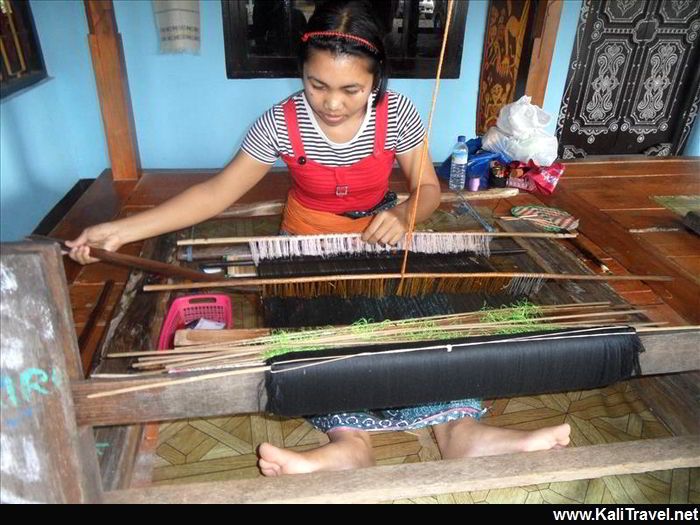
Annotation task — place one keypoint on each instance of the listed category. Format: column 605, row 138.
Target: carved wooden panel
column 503, row 45
column 634, row 79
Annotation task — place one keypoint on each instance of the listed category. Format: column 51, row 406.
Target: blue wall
column 50, row 134
column 692, row 147
column 188, row 115
column 564, row 45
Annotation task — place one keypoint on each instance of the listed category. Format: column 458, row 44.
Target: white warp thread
column 283, row 247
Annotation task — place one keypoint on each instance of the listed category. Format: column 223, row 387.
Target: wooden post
column 45, row 457
column 546, row 26
column 113, row 89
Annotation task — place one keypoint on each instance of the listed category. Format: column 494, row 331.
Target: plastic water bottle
column 458, row 168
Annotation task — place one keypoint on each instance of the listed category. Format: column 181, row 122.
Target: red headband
column 362, row 41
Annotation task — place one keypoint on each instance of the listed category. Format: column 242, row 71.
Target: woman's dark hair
column 351, row 17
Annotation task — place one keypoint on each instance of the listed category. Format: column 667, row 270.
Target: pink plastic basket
column 215, row 307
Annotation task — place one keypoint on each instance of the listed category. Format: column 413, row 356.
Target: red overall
column 321, row 192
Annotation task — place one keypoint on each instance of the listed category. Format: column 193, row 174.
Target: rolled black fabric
column 407, row 374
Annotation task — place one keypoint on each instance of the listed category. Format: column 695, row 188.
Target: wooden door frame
column 546, row 27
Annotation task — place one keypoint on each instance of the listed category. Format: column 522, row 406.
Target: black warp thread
column 295, row 312
column 502, row 369
column 373, row 263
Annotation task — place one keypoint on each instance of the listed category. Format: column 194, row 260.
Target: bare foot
column 468, row 438
column 348, row 449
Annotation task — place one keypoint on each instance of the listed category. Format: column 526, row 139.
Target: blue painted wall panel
column 187, row 113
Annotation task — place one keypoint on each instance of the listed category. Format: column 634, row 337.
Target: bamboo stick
column 236, row 361
column 330, row 278
column 400, row 322
column 380, row 337
column 171, row 382
column 403, row 323
column 254, row 369
column 424, row 151
column 241, row 350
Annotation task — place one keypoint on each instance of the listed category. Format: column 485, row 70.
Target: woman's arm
column 194, row 205
column 388, row 227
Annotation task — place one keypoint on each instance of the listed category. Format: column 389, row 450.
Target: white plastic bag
column 521, row 118
column 519, row 134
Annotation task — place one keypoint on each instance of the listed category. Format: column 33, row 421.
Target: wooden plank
column 113, row 89
column 135, row 323
column 268, row 196
column 45, row 457
column 625, row 196
column 630, row 165
column 690, row 265
column 135, row 318
column 546, row 26
column 100, row 202
column 198, row 337
column 661, row 219
column 666, row 352
column 674, row 399
column 672, row 244
column 116, row 449
column 387, row 483
column 683, row 294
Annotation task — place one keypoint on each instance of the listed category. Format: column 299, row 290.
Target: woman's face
column 337, row 87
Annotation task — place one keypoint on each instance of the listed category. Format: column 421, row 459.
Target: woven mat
column 680, row 204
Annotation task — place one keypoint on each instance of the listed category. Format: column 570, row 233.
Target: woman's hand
column 388, row 227
column 105, row 235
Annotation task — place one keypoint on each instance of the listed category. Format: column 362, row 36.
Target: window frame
column 12, row 86
column 241, row 65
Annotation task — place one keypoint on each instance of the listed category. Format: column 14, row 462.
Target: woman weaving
column 339, row 137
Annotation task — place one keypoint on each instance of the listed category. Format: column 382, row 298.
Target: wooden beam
column 673, row 399
column 45, row 457
column 666, row 352
column 387, row 483
column 617, row 166
column 275, row 207
column 546, row 26
column 113, row 89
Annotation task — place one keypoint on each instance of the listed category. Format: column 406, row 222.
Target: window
column 273, row 29
column 22, row 63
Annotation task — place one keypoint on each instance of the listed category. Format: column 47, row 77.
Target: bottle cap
column 461, row 138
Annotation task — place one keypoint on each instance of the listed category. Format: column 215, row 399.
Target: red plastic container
column 215, row 307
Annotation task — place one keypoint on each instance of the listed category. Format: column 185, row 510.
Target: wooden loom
column 55, row 417
column 71, row 416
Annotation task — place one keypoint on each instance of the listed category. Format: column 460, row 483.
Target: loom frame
column 42, row 277
column 78, row 482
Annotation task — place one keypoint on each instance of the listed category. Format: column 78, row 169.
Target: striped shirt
column 267, row 139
